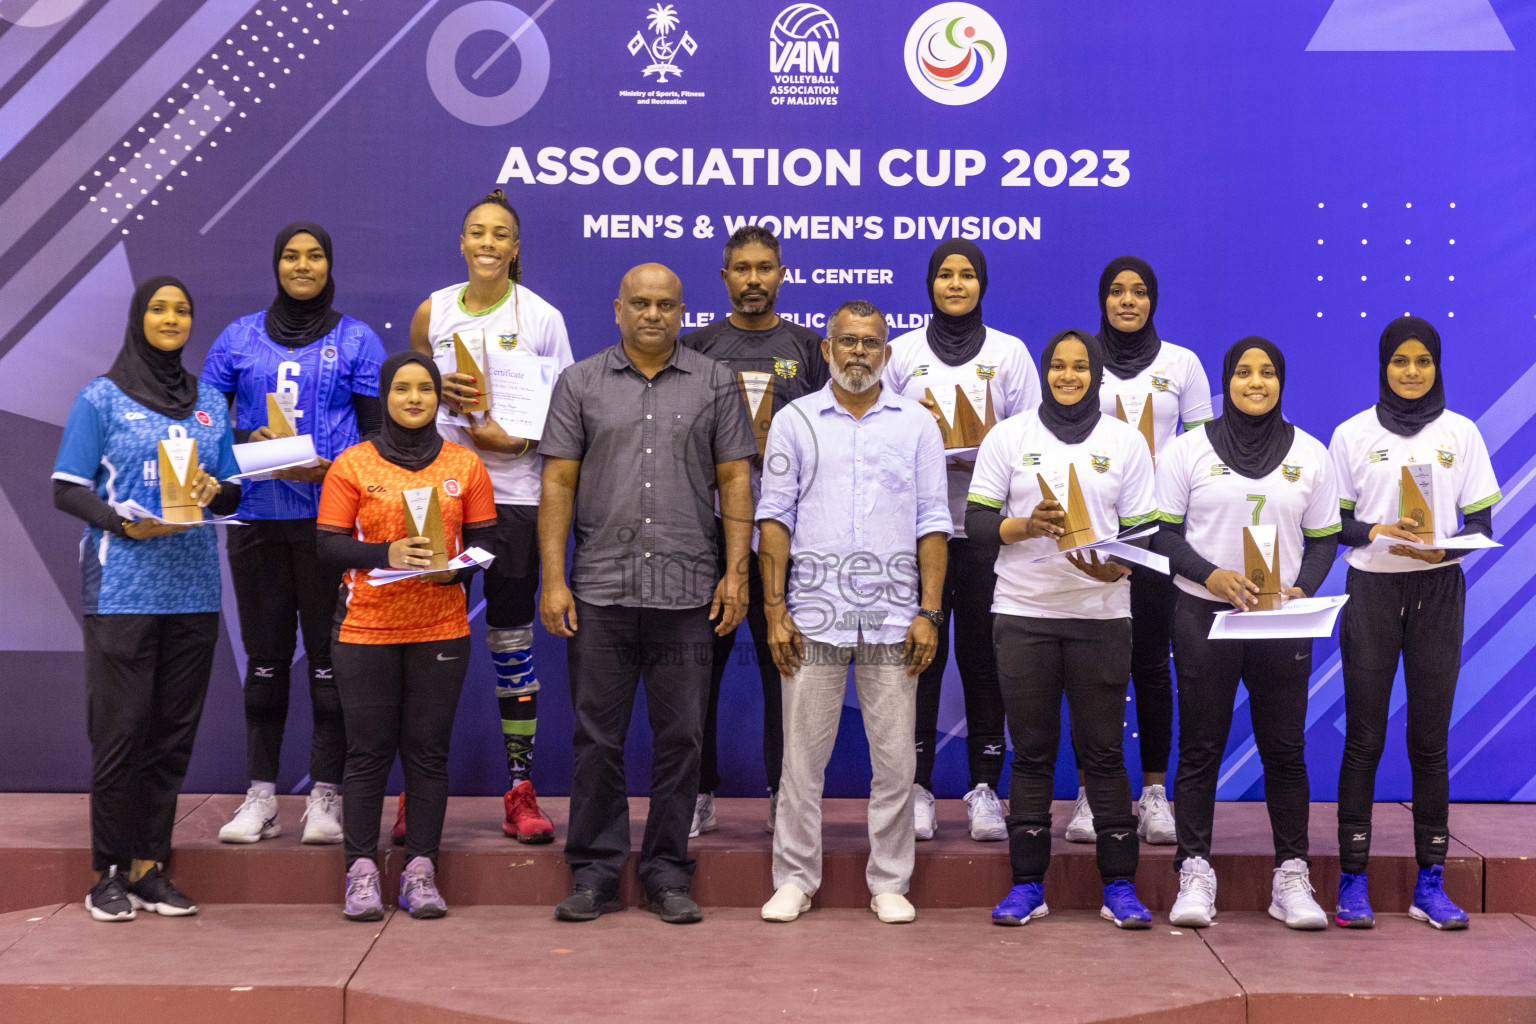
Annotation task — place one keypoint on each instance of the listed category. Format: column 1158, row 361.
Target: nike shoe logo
column 440, row 657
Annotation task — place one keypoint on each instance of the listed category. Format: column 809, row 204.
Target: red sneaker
column 397, row 834
column 525, row 822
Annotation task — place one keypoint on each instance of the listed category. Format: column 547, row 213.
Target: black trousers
column 768, row 673
column 1088, row 661
column 146, row 677
column 1417, row 615
column 1275, row 673
column 512, row 581
column 278, row 581
column 613, row 649
column 399, row 698
column 969, row 580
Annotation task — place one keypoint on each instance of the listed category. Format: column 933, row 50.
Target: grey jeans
column 813, row 705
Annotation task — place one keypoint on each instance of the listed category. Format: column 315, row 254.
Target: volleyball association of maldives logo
column 955, row 53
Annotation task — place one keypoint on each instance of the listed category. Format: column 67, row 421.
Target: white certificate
column 259, row 459
column 521, row 386
column 1118, row 548
column 1298, row 617
column 464, row 560
column 1467, row 542
column 134, row 512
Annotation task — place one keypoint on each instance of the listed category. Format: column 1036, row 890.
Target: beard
column 859, row 381
column 755, row 304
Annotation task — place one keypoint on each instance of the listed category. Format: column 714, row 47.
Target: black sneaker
column 156, row 893
column 675, row 906
column 108, row 899
column 584, row 904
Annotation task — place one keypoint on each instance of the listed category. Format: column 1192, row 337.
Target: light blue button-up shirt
column 855, row 495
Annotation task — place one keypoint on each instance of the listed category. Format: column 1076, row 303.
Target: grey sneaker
column 363, row 902
column 703, row 816
column 418, row 890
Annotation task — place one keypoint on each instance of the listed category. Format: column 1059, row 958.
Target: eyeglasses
column 850, row 342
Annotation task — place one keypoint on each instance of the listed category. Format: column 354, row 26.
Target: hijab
column 1127, row 353
column 298, row 322
column 411, row 448
column 150, row 376
column 1071, row 423
column 1251, row 446
column 1408, row 416
column 956, row 339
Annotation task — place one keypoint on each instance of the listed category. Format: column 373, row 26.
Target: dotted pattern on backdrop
column 1380, row 259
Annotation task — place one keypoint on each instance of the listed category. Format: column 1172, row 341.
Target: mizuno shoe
column 1022, row 903
column 1432, row 906
column 1122, row 907
column 1354, row 910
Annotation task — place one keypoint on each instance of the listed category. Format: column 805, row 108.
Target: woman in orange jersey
column 400, row 650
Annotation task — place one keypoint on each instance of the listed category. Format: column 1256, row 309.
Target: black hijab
column 1128, row 353
column 956, row 339
column 1408, row 416
column 153, row 378
column 1071, row 423
column 298, row 322
column 407, row 447
column 1251, row 446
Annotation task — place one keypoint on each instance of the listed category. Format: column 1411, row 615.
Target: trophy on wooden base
column 1077, row 529
column 757, row 388
column 281, row 406
column 178, row 472
column 424, row 518
column 1137, row 410
column 1261, row 564
column 964, row 428
column 469, row 358
column 1414, row 501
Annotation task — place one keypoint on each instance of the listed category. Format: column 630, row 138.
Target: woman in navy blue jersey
column 326, row 364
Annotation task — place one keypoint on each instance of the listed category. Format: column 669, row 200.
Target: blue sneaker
column 1122, row 907
column 1432, row 905
column 1022, row 903
column 1354, row 910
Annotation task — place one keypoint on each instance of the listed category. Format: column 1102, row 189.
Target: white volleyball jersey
column 522, row 322
column 1002, row 365
column 1368, row 461
column 1114, row 473
column 1176, row 385
column 1298, row 497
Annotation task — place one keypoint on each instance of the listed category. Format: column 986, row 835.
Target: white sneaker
column 787, row 904
column 893, row 908
column 322, row 814
column 1196, row 905
column 254, row 821
column 924, row 823
column 986, row 814
column 773, row 808
column 1080, row 828
column 703, row 816
column 1291, row 899
column 1154, row 821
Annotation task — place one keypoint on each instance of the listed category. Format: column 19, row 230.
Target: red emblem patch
column 204, row 418
column 452, row 487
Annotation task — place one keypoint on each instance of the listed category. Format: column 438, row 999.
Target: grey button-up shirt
column 645, row 508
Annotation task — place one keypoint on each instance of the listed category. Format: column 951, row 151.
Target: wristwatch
column 935, row 617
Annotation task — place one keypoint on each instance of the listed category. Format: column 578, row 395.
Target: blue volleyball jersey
column 111, row 445
column 327, row 373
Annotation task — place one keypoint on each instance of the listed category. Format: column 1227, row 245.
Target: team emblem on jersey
column 204, row 418
column 986, row 371
column 920, row 370
column 329, row 353
column 1446, row 457
column 786, row 368
column 1030, row 459
column 1100, row 462
column 1379, row 455
column 1161, row 383
column 507, row 340
column 1217, row 469
column 452, row 487
column 1291, row 471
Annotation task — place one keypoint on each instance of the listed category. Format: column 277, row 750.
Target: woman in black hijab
column 326, row 363
column 151, row 596
column 995, row 372
column 1405, row 600
column 1248, row 470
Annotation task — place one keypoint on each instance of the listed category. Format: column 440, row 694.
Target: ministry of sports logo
column 803, row 57
column 955, row 53
column 662, row 20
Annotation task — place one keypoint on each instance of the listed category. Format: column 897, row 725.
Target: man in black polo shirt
column 760, row 348
column 638, row 439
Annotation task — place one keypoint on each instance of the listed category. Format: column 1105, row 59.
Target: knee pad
column 507, row 641
column 512, row 654
column 323, row 694
column 266, row 689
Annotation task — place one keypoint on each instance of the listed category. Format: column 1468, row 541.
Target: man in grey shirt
column 638, row 440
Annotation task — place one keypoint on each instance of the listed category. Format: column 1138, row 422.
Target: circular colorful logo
column 204, row 418
column 955, row 53
column 452, row 487
column 329, row 353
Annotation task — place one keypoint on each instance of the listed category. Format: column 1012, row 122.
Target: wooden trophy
column 280, row 413
column 469, row 356
column 1077, row 529
column 964, row 428
column 424, row 518
column 757, row 388
column 1261, row 564
column 178, row 471
column 1414, row 501
column 1128, row 411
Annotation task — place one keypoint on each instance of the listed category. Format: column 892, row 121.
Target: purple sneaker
column 363, row 902
column 418, row 890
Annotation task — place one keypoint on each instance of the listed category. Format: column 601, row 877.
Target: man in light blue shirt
column 854, row 503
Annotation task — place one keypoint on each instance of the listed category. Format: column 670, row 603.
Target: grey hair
column 858, row 308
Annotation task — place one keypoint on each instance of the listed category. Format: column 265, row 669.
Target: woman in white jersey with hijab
column 509, row 321
column 1404, row 599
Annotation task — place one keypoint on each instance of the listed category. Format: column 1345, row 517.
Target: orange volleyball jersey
column 362, row 494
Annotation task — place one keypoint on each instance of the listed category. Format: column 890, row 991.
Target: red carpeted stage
column 270, row 943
